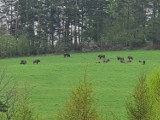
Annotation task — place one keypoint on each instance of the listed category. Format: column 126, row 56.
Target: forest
column 32, row 27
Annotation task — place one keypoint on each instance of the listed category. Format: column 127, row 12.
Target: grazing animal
column 106, row 60
column 101, row 56
column 125, row 62
column 98, row 62
column 143, row 62
column 120, row 58
column 36, row 61
column 130, row 58
column 66, row 55
column 23, row 62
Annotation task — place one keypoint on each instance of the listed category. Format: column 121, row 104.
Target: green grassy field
column 54, row 78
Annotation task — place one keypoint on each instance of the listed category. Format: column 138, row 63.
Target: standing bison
column 36, row 61
column 130, row 58
column 101, row 56
column 120, row 58
column 144, row 62
column 23, row 62
column 66, row 54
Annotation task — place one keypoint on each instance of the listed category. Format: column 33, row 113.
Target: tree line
column 29, row 27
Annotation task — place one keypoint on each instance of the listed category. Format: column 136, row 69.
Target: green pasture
column 52, row 80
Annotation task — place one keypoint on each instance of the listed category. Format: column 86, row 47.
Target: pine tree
column 81, row 105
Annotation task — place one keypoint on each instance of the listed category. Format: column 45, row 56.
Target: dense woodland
column 31, row 27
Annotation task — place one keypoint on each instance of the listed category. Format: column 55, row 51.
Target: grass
column 53, row 79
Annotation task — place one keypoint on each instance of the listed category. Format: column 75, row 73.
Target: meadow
column 52, row 80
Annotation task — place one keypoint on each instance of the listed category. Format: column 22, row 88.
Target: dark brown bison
column 66, row 55
column 120, row 58
column 130, row 58
column 101, row 56
column 23, row 62
column 36, row 61
column 143, row 62
column 106, row 60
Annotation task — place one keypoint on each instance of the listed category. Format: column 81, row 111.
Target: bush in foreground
column 139, row 107
column 14, row 105
column 145, row 101
column 81, row 105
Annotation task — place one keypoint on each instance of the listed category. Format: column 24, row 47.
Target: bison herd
column 121, row 59
column 36, row 61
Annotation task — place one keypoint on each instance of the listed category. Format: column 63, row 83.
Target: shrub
column 139, row 107
column 7, row 46
column 154, row 92
column 144, row 104
column 81, row 105
column 14, row 105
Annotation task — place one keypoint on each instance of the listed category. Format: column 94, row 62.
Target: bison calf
column 106, row 60
column 98, row 62
column 23, row 62
column 143, row 62
column 101, row 56
column 36, row 61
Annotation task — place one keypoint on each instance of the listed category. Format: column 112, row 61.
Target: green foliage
column 120, row 23
column 14, row 105
column 61, row 47
column 154, row 91
column 130, row 19
column 153, row 31
column 3, row 85
column 145, row 100
column 140, row 107
column 21, row 106
column 23, row 46
column 7, row 46
column 81, row 105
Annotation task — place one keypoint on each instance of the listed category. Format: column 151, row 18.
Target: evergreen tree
column 81, row 105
